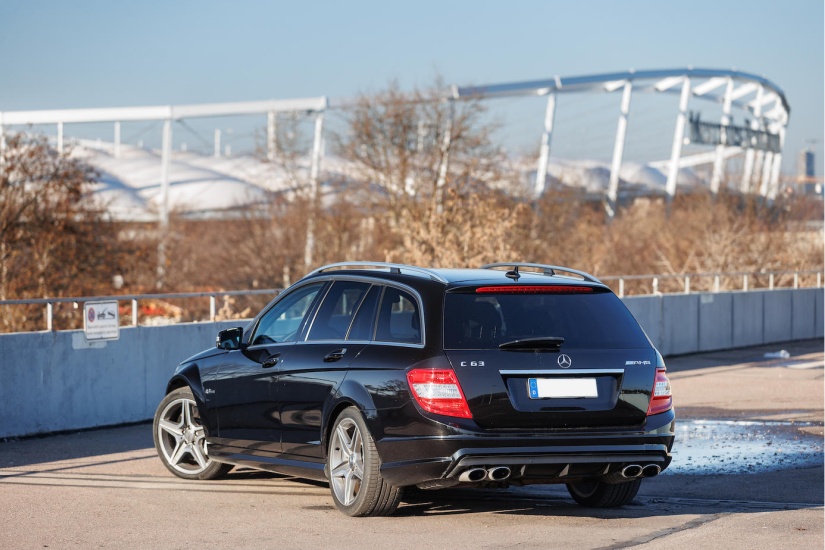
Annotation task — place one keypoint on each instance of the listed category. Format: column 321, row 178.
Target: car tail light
column 534, row 289
column 438, row 391
column 661, row 399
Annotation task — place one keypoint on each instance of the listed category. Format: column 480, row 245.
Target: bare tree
column 53, row 241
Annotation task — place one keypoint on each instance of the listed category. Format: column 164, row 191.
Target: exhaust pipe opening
column 632, row 471
column 472, row 475
column 499, row 473
column 651, row 470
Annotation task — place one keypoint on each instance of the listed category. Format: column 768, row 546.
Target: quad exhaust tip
column 473, row 474
column 498, row 473
column 651, row 470
column 633, row 471
column 495, row 473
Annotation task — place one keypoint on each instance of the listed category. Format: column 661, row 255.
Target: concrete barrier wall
column 53, row 381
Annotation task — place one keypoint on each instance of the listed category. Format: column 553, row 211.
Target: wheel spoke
column 340, row 470
column 196, row 452
column 187, row 414
column 167, row 426
column 348, row 489
column 356, row 442
column 343, row 438
column 177, row 454
column 358, row 469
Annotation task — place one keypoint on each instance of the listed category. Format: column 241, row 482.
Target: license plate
column 540, row 388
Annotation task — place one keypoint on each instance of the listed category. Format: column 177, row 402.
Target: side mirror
column 229, row 339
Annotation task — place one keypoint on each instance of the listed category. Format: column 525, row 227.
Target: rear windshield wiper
column 545, row 342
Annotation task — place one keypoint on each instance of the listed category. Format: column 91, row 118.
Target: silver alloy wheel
column 182, row 438
column 346, row 461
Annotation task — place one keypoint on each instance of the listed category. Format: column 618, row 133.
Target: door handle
column 336, row 355
column 271, row 361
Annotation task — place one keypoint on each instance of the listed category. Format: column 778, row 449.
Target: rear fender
column 349, row 394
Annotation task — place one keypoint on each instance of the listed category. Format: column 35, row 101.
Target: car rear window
column 585, row 320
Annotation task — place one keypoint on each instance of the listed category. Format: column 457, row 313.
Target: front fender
column 187, row 374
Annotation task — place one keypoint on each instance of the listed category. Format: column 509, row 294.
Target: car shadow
column 71, row 445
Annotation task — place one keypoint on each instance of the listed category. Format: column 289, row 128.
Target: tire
column 597, row 494
column 180, row 440
column 353, row 468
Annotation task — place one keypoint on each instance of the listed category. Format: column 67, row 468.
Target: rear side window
column 337, row 310
column 594, row 320
column 398, row 319
column 362, row 326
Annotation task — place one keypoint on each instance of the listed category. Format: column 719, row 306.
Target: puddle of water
column 741, row 447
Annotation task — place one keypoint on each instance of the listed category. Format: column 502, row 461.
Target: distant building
column 806, row 172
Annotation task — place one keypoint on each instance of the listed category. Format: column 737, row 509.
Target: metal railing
column 50, row 303
column 749, row 280
column 685, row 283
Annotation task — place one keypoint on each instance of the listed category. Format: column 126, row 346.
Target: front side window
column 283, row 321
column 399, row 319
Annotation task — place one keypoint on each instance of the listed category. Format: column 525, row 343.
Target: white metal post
column 618, row 151
column 134, row 313
column 544, row 154
column 60, row 137
column 271, row 139
column 314, row 172
column 750, row 154
column 165, row 153
column 776, row 167
column 116, row 151
column 766, row 174
column 719, row 162
column 217, row 153
column 678, row 139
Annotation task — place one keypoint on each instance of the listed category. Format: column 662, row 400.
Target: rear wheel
column 598, row 494
column 354, row 472
column 180, row 439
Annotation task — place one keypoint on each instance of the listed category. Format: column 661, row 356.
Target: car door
column 318, row 364
column 243, row 391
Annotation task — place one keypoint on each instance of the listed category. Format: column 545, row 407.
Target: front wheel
column 180, row 439
column 353, row 468
column 598, row 494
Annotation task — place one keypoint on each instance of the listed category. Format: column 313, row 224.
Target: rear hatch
column 548, row 356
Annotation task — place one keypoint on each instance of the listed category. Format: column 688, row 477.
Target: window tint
column 365, row 317
column 337, row 310
column 283, row 321
column 597, row 320
column 399, row 319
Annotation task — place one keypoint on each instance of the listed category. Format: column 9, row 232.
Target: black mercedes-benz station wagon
column 376, row 377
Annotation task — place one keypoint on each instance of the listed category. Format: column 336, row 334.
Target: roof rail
column 393, row 268
column 549, row 270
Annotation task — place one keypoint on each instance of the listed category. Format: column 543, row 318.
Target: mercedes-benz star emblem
column 564, row 361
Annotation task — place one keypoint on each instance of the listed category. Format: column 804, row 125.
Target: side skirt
column 277, row 464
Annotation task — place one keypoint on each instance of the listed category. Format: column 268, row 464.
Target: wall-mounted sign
column 709, row 133
column 101, row 321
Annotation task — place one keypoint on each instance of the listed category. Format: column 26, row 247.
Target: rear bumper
column 532, row 458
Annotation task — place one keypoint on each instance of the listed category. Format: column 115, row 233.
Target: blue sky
column 107, row 53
